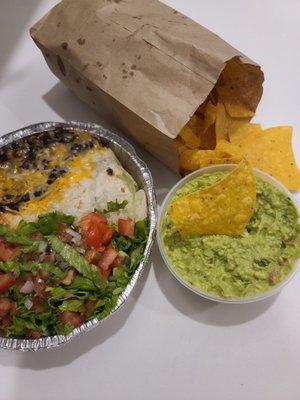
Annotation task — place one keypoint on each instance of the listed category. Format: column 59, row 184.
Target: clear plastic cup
column 214, row 168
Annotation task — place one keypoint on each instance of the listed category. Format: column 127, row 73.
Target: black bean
column 24, row 198
column 55, row 173
column 26, row 164
column 110, row 171
column 3, row 155
column 2, row 208
column 38, row 193
column 13, row 206
column 76, row 148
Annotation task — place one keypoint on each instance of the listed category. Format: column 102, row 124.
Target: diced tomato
column 39, row 288
column 13, row 309
column 118, row 261
column 6, row 281
column 126, row 227
column 8, row 251
column 63, row 235
column 92, row 217
column 107, row 257
column 105, row 272
column 34, row 334
column 68, row 279
column 107, row 235
column 38, row 306
column 19, row 283
column 5, row 306
column 43, row 274
column 71, row 318
column 89, row 307
column 92, row 236
column 29, row 276
column 6, row 321
column 96, row 231
column 91, row 255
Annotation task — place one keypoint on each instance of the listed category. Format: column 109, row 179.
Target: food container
column 139, row 171
column 214, row 168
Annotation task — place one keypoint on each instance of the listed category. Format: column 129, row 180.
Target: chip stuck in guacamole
column 243, row 266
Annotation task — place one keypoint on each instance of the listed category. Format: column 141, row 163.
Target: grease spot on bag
column 81, row 41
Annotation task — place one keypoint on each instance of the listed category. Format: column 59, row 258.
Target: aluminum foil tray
column 139, row 171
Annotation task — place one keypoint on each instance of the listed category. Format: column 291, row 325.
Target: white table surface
column 166, row 343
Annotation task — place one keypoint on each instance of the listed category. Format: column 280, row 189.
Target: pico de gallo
column 56, row 274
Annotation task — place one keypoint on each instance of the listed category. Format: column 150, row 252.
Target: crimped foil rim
column 110, row 138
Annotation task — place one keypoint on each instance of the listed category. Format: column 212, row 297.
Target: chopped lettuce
column 17, row 267
column 87, row 285
column 72, row 305
column 77, row 261
column 13, row 236
column 47, row 224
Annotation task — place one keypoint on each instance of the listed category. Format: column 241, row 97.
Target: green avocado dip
column 237, row 267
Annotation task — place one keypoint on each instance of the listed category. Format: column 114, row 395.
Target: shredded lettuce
column 17, row 267
column 77, row 261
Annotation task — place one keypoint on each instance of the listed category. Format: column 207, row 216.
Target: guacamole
column 237, row 267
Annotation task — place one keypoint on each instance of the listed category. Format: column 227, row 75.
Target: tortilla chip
column 244, row 131
column 179, row 143
column 221, row 122
column 238, row 89
column 201, row 109
column 191, row 160
column 234, row 124
column 230, row 149
column 190, row 133
column 221, row 209
column 210, row 115
column 271, row 151
column 190, row 139
column 208, row 138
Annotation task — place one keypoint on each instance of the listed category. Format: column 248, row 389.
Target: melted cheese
column 81, row 167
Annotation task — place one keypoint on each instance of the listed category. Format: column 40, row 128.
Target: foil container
column 127, row 156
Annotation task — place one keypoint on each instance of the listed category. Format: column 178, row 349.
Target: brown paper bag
column 146, row 63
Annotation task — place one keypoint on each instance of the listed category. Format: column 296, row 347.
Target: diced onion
column 27, row 287
column 75, row 235
column 28, row 304
column 42, row 247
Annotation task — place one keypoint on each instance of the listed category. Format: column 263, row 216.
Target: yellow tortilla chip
column 243, row 132
column 221, row 122
column 191, row 140
column 208, row 138
column 179, row 143
column 230, row 149
column 191, row 160
column 238, row 89
column 234, row 124
column 201, row 109
column 221, row 209
column 210, row 115
column 271, row 151
column 189, row 133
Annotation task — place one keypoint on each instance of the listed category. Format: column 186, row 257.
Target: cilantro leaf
column 113, row 206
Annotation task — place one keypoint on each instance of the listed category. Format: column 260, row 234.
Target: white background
column 166, row 343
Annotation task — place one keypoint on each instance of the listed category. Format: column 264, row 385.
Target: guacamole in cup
column 244, row 268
